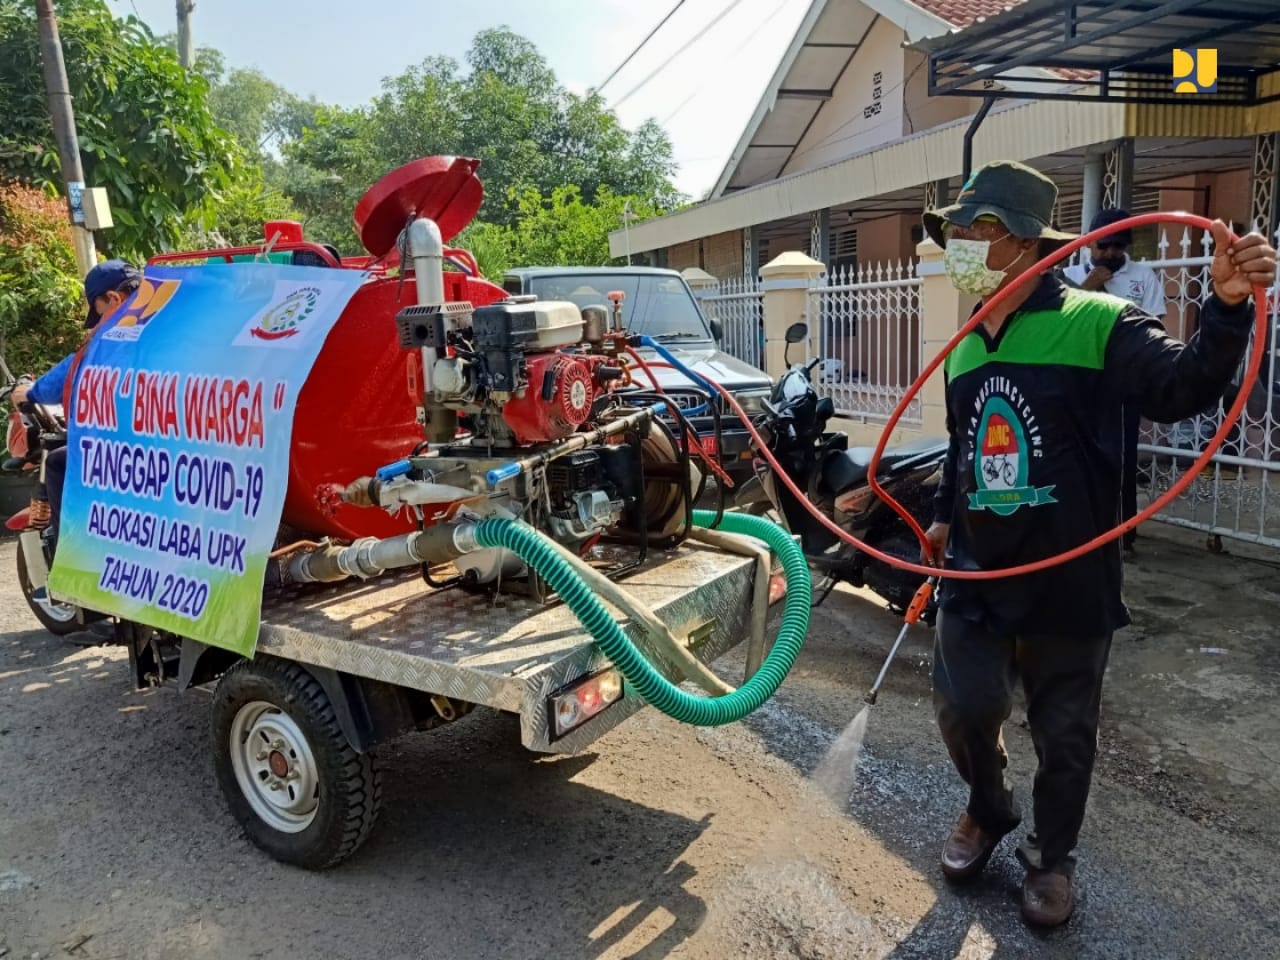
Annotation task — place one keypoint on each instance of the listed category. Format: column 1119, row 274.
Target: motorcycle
column 834, row 479
column 34, row 429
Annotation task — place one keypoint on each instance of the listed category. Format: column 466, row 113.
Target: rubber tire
column 350, row 783
column 59, row 628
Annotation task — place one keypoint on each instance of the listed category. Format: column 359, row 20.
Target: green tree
column 559, row 229
column 507, row 109
column 239, row 215
column 147, row 133
column 563, row 229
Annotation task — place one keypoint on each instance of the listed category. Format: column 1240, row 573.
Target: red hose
column 1250, row 377
column 697, row 442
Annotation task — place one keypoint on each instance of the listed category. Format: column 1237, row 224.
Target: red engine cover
column 557, row 401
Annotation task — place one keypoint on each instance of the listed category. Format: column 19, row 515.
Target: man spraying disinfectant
column 1034, row 398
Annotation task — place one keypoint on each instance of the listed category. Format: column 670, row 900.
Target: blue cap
column 102, row 279
column 1105, row 218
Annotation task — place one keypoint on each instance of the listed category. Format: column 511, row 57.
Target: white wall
column 865, row 110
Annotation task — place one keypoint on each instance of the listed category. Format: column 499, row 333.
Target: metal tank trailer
column 499, row 446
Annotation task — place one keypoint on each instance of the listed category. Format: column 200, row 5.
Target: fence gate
column 1238, row 496
column 870, row 339
column 738, row 303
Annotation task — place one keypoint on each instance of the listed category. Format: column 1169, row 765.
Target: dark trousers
column 55, row 475
column 1129, row 474
column 974, row 671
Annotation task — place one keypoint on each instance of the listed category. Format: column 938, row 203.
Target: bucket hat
column 1020, row 197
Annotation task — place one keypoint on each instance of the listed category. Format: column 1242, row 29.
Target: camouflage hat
column 1019, row 196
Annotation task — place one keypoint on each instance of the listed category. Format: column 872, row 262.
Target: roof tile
column 961, row 13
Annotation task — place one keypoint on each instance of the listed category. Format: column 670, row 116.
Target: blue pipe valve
column 503, row 472
column 393, row 470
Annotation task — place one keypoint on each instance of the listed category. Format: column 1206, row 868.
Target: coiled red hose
column 1250, row 377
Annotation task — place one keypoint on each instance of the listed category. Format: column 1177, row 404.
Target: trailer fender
column 368, row 711
column 200, row 663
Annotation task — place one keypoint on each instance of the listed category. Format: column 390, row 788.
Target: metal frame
column 1131, row 63
column 509, row 654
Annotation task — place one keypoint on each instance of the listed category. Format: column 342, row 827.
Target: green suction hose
column 522, row 540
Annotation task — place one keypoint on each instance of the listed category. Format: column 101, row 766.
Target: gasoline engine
column 524, row 417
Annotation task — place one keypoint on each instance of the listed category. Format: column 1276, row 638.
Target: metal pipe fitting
column 371, row 557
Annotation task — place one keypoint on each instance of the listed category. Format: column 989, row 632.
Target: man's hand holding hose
column 1239, row 267
column 935, row 546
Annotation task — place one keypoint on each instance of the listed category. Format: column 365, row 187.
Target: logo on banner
column 1195, row 71
column 149, row 299
column 284, row 319
column 1004, row 439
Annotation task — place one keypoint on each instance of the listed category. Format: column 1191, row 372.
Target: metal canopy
column 1113, row 50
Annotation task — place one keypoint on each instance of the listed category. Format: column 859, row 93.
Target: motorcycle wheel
column 60, row 619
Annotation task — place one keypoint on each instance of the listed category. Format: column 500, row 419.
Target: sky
column 340, row 52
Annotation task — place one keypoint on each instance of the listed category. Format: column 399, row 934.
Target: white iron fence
column 1238, row 496
column 738, row 304
column 870, row 338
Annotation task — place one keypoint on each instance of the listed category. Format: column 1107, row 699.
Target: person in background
column 1108, row 268
column 1033, row 399
column 106, row 287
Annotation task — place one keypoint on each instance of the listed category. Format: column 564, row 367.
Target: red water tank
column 354, row 412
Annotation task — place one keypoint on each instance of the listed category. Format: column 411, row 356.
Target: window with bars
column 844, row 248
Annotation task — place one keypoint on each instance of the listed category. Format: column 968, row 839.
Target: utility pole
column 64, row 132
column 626, row 227
column 186, row 43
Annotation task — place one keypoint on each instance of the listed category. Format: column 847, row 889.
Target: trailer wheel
column 290, row 777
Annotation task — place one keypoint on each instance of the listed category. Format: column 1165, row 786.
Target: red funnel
column 443, row 189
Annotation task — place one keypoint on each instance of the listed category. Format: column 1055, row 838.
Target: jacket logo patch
column 1003, row 440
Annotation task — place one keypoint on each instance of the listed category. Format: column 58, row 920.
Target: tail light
column 577, row 703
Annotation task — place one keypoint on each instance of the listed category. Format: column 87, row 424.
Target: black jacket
column 1034, row 467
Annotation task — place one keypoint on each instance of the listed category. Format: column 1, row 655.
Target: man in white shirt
column 1107, row 267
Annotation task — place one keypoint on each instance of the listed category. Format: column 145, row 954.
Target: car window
column 660, row 306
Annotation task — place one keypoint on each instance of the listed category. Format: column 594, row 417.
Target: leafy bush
column 41, row 297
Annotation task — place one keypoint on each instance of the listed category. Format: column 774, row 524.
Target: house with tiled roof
column 875, row 112
column 846, row 146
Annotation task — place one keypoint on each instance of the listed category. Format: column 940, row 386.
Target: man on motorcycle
column 106, row 286
column 1034, row 401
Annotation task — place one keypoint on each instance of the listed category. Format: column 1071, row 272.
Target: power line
column 687, row 44
column 738, row 49
column 679, row 4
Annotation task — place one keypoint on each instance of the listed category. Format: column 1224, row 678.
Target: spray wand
column 914, row 611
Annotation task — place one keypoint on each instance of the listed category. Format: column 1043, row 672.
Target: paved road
column 666, row 841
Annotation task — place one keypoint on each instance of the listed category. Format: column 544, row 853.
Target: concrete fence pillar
column 698, row 279
column 943, row 310
column 785, row 282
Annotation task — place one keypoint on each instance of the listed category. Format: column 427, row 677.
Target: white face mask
column 965, row 262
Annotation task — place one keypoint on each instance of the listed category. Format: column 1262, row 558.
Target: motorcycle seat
column 847, row 468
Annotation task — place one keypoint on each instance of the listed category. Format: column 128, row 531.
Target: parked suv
column 659, row 304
